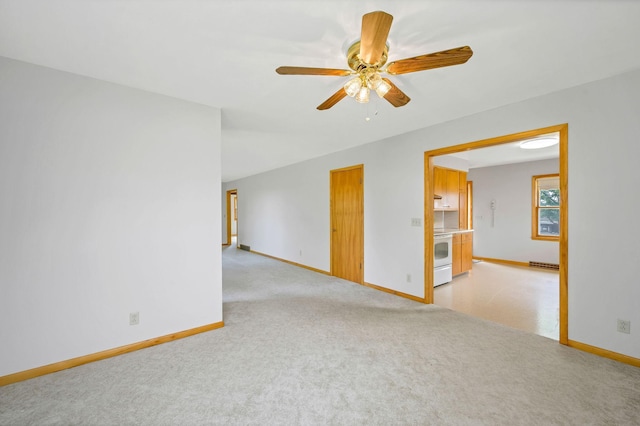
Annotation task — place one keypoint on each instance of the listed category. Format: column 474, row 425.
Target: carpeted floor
column 304, row 348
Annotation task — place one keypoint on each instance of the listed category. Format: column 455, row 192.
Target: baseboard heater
column 544, row 265
column 243, row 247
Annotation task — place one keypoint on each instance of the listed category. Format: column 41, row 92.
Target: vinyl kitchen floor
column 519, row 297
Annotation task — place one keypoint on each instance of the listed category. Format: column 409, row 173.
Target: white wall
column 508, row 234
column 286, row 210
column 110, row 204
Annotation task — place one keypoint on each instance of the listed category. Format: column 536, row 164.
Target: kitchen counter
column 439, row 231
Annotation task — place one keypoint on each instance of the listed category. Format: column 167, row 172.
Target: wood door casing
column 563, row 131
column 347, row 223
column 230, row 213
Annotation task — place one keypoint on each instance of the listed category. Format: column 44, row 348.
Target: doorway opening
column 232, row 217
column 562, row 131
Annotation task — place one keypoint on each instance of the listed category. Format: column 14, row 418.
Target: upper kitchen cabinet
column 446, row 184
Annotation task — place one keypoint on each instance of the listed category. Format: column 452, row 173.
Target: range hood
column 437, row 197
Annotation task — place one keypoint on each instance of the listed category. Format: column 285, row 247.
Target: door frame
column 361, row 230
column 563, row 130
column 229, row 193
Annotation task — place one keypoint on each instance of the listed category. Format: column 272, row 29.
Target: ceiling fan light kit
column 367, row 58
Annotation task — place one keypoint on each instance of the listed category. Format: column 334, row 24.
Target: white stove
column 442, row 259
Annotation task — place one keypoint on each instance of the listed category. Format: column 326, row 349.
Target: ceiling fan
column 367, row 58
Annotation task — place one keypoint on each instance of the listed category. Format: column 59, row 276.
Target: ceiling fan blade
column 334, row 99
column 312, row 71
column 395, row 96
column 373, row 38
column 446, row 58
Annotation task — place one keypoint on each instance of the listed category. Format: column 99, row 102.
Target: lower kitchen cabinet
column 462, row 253
column 467, row 251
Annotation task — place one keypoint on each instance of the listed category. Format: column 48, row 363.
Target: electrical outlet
column 624, row 326
column 134, row 318
column 408, row 278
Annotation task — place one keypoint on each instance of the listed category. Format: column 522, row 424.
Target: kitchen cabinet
column 453, row 178
column 446, row 183
column 466, row 250
column 456, row 255
column 462, row 253
column 463, row 221
column 439, row 187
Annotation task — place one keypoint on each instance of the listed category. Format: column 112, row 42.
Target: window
column 545, row 217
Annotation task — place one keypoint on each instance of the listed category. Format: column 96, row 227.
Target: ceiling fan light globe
column 374, row 81
column 383, row 88
column 352, row 87
column 363, row 95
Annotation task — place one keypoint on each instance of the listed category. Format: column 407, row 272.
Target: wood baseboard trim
column 376, row 287
column 300, row 265
column 604, row 353
column 503, row 261
column 395, row 292
column 74, row 362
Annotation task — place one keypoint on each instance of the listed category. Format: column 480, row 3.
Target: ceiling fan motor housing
column 358, row 65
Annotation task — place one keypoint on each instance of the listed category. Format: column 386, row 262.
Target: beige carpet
column 303, row 348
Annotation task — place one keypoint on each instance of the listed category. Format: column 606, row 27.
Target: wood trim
column 394, row 292
column 497, row 140
column 300, row 265
column 469, row 204
column 564, row 236
column 229, row 192
column 428, row 228
column 503, row 261
column 563, row 130
column 604, row 353
column 366, row 284
column 74, row 362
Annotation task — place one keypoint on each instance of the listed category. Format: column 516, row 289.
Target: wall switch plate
column 624, row 326
column 416, row 221
column 134, row 318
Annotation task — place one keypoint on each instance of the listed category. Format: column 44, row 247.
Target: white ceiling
column 224, row 53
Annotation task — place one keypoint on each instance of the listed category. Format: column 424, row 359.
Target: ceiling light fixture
column 363, row 95
column 352, row 87
column 367, row 59
column 366, row 76
column 538, row 143
column 367, row 80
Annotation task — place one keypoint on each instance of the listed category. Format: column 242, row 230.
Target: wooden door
column 347, row 223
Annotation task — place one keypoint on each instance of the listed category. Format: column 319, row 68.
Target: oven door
column 442, row 246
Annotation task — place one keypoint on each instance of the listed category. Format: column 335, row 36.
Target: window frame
column 535, row 208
